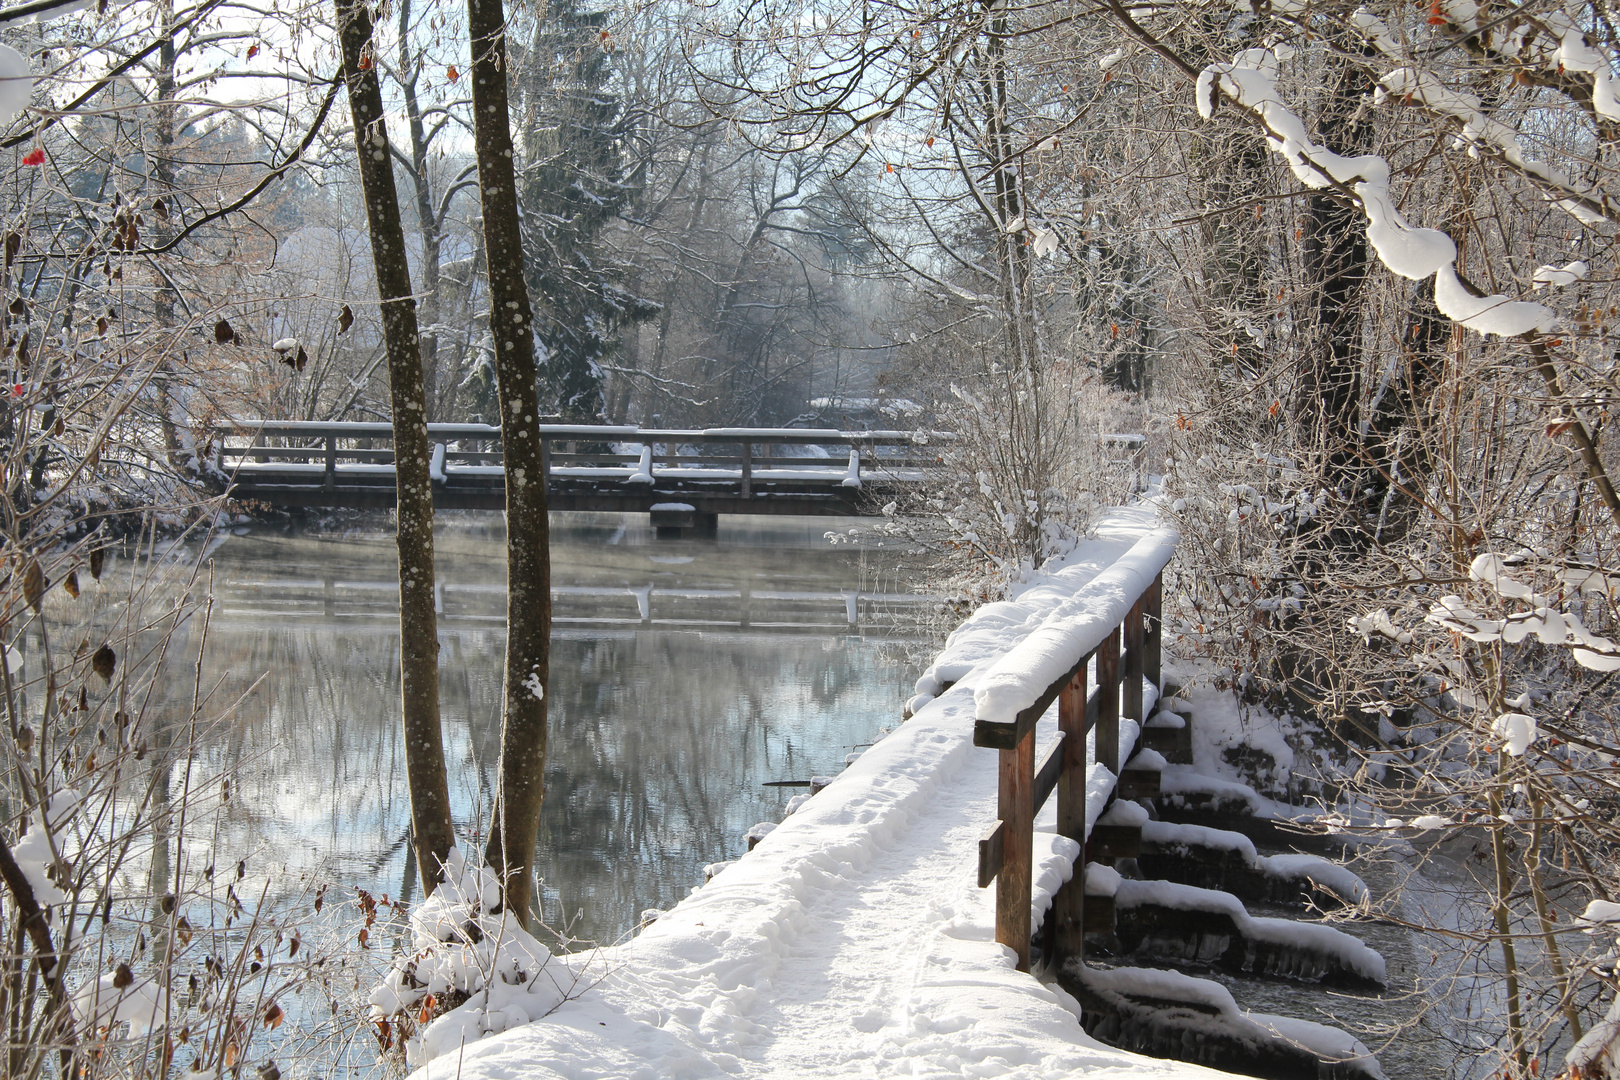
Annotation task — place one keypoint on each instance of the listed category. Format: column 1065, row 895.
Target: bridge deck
column 708, row 472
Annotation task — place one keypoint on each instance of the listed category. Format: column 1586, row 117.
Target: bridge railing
column 1103, row 647
column 588, row 451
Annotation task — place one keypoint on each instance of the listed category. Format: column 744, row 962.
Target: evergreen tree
column 572, row 184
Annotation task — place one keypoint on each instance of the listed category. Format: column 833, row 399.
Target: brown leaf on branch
column 104, row 662
column 33, row 584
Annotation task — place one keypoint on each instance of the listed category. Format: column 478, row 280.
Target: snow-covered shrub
column 471, row 971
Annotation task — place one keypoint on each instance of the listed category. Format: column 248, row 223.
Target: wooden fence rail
column 1103, row 684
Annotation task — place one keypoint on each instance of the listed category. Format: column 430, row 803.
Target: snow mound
column 462, row 951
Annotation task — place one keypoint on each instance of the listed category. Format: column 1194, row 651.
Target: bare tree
column 522, row 771
column 432, row 829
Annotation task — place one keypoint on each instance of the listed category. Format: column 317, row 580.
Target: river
column 689, row 679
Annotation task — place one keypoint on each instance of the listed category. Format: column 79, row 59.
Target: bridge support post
column 1108, row 702
column 748, row 470
column 1153, row 637
column 330, row 481
column 1068, row 907
column 1016, row 808
column 1130, row 703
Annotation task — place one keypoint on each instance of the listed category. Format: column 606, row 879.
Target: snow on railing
column 1081, row 637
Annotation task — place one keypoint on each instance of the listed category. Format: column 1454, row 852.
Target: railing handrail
column 619, row 433
column 1120, row 606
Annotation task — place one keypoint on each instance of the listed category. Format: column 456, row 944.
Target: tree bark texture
column 432, row 831
column 521, row 775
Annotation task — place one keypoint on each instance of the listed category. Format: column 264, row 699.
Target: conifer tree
column 572, row 185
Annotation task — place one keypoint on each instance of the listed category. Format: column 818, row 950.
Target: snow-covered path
column 853, row 941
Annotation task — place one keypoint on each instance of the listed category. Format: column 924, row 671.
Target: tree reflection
column 661, row 735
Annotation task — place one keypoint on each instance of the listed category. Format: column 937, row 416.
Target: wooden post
column 1130, row 696
column 1153, row 643
column 748, row 470
column 1016, row 807
column 331, row 461
column 1068, row 907
column 545, row 460
column 1108, row 702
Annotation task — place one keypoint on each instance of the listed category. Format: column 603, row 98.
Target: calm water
column 686, row 676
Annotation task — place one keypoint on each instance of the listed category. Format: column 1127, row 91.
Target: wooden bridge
column 684, row 479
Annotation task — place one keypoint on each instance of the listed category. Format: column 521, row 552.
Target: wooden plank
column 1130, row 697
column 1153, row 640
column 992, row 846
column 1046, row 777
column 1114, row 842
column 1138, row 784
column 1068, row 906
column 1016, row 810
column 1099, row 915
column 1108, row 702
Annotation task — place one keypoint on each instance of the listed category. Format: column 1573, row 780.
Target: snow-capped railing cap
column 1017, row 690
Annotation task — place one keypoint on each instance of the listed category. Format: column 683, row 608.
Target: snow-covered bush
column 471, row 971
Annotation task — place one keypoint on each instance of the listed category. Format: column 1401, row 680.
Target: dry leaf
column 223, row 333
column 104, row 662
column 123, row 977
column 71, row 584
column 273, row 1016
column 98, row 557
column 345, row 319
column 33, row 584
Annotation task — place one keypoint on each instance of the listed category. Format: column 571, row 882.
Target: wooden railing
column 1117, row 666
column 741, row 455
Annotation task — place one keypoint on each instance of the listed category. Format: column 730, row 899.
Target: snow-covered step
column 1141, row 775
column 1172, row 1015
column 1165, row 921
column 1169, row 730
column 1227, row 860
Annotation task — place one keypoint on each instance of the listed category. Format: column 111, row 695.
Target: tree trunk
column 432, row 831
column 522, row 771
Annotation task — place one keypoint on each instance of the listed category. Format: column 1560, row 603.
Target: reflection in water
column 684, row 677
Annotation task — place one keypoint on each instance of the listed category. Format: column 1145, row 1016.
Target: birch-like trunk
column 522, row 773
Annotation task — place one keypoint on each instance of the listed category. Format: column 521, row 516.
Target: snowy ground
column 853, row 940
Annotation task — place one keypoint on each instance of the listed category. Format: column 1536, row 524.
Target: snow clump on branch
column 1412, row 252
